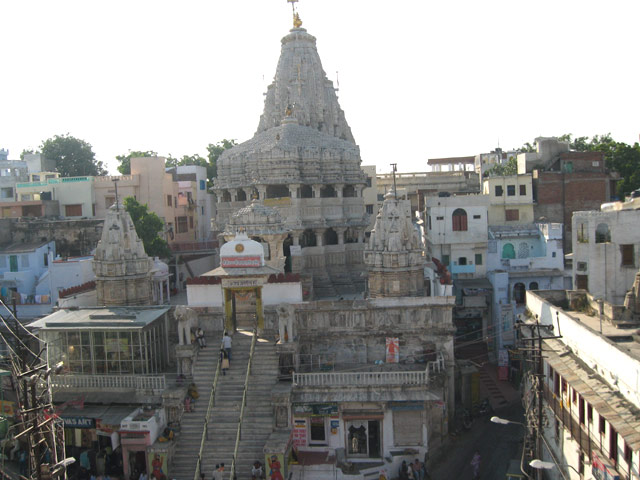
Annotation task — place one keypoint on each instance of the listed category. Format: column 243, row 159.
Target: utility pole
column 38, row 424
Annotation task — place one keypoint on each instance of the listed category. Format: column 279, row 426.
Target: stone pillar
column 316, row 190
column 360, row 235
column 262, row 192
column 319, row 232
column 295, row 234
column 293, row 190
column 340, row 231
column 234, row 194
column 358, row 190
column 218, row 196
column 338, row 188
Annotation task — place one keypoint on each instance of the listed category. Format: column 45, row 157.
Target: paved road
column 496, row 443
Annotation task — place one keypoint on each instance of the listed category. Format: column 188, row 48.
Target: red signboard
column 240, row 262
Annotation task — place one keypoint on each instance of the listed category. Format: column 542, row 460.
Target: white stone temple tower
column 303, row 161
column 395, row 254
column 123, row 269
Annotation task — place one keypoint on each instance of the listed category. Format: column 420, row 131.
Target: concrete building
column 589, row 386
column 565, row 182
column 11, row 172
column 75, row 195
column 456, row 230
column 606, row 246
column 520, row 258
column 24, row 277
column 303, row 161
column 36, row 162
column 511, row 199
column 484, row 162
column 372, row 199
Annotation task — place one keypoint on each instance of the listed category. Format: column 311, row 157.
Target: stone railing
column 345, row 379
column 106, row 382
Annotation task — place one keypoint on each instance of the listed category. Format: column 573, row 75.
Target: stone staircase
column 257, row 423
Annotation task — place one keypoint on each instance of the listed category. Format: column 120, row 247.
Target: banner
column 393, row 350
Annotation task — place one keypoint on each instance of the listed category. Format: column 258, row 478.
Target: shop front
column 316, row 425
column 139, row 431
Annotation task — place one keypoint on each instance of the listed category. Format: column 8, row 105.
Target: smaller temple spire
column 297, row 23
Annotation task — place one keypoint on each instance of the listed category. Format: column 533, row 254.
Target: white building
column 24, row 277
column 457, row 233
column 590, row 390
column 203, row 201
column 606, row 245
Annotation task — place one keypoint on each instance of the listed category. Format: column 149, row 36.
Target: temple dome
column 238, row 250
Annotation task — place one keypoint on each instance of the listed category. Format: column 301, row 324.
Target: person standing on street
column 475, row 463
column 226, row 341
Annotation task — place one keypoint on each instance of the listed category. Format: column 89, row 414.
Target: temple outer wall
column 272, row 294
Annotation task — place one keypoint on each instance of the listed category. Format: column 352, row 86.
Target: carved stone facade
column 303, row 162
column 123, row 269
column 395, row 255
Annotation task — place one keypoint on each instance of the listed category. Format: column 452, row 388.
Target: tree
column 215, row 150
column 25, row 152
column 73, row 157
column 148, row 225
column 504, row 169
column 125, row 160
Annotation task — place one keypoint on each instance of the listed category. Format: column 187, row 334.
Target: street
column 496, row 443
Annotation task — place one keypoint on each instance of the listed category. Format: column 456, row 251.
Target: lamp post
column 542, row 465
column 504, row 421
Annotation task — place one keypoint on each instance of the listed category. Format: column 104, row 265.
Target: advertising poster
column 157, row 466
column 393, row 350
column 275, row 466
column 299, row 433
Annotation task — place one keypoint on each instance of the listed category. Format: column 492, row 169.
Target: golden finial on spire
column 297, row 23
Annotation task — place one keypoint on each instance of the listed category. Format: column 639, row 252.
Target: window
column 523, row 190
column 583, row 235
column 429, row 220
column 203, row 184
column 627, row 453
column 169, row 201
column 459, row 220
column 533, row 286
column 511, row 190
column 478, row 259
column 369, row 182
column 603, row 234
column 73, row 210
column 627, row 255
column 519, row 293
column 462, row 260
column 613, row 443
column 582, row 282
column 369, row 209
column 317, row 430
column 476, row 217
column 439, row 218
column 45, row 259
column 445, row 260
column 498, row 190
column 512, row 215
column 508, row 251
column 582, row 266
column 380, row 197
column 602, row 425
column 191, row 222
column 181, row 225
column 523, row 250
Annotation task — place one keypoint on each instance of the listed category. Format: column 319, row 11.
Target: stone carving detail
column 122, row 268
column 394, row 255
column 186, row 321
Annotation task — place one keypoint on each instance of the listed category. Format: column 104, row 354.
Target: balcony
column 138, row 383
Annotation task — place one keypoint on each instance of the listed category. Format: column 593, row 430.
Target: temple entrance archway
column 243, row 308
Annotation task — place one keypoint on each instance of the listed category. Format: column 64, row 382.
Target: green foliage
column 125, row 160
column 25, row 152
column 74, row 157
column 148, row 225
column 504, row 169
column 215, row 150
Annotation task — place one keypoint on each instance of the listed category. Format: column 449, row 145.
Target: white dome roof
column 241, row 248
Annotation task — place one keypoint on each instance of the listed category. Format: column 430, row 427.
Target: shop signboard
column 247, row 261
column 316, row 409
column 601, row 470
column 78, row 422
column 300, row 432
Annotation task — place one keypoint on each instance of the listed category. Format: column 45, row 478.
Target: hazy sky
column 418, row 79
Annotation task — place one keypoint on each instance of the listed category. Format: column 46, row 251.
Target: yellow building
column 511, row 199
